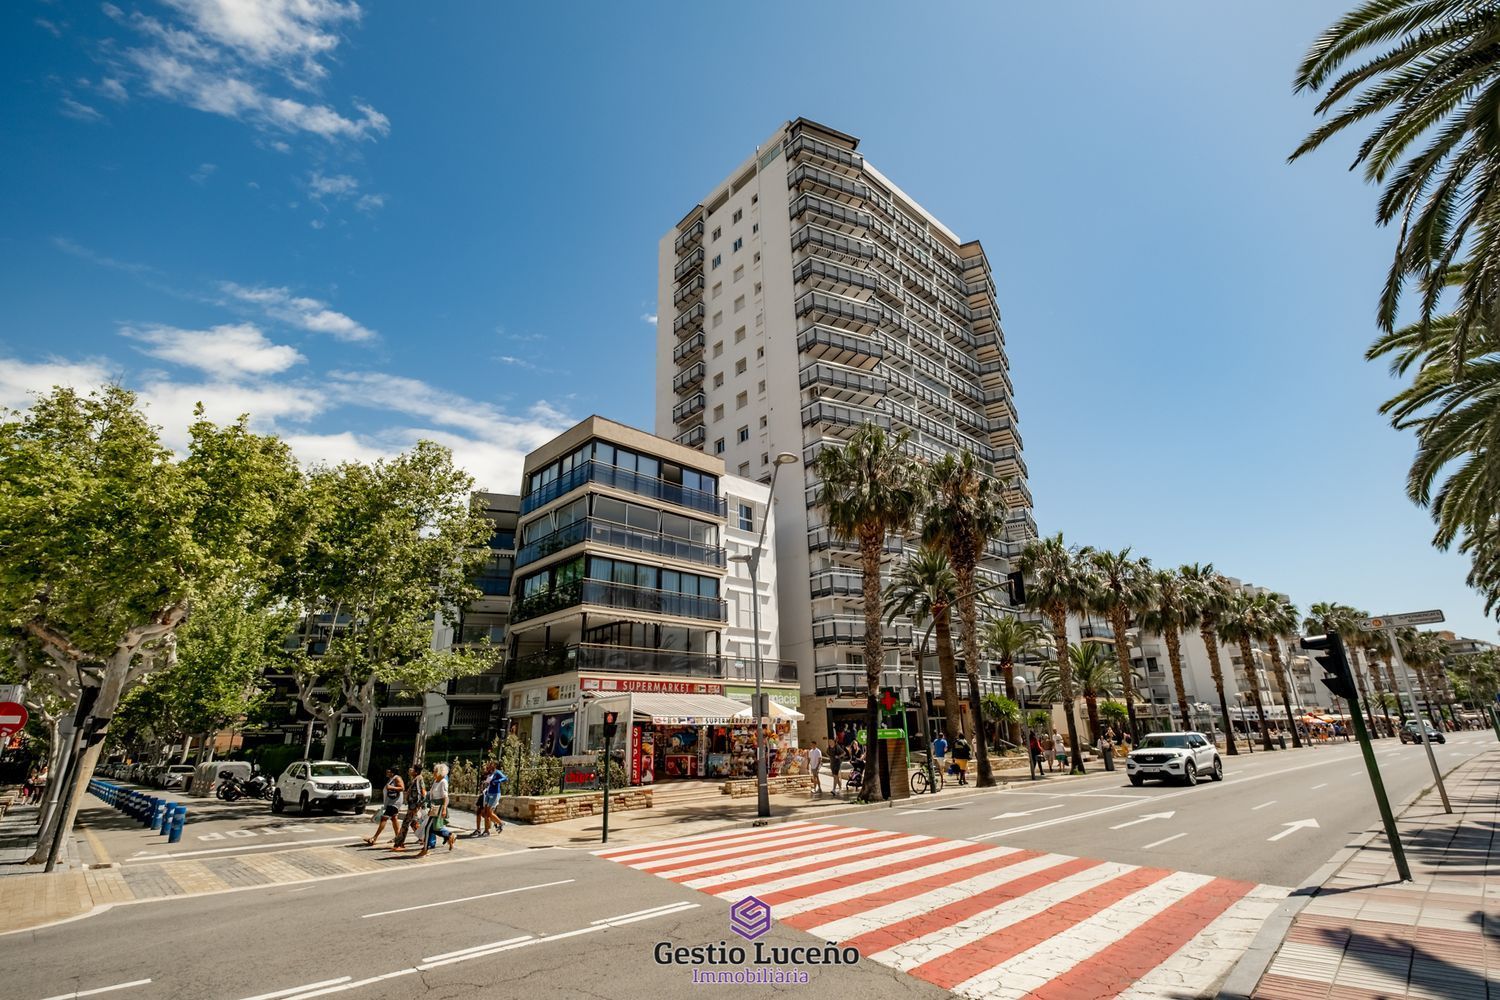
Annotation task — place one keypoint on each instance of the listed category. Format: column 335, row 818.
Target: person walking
column 1058, row 749
column 814, row 765
column 1107, row 748
column 39, row 785
column 392, row 796
column 1034, row 749
column 437, row 812
column 488, row 799
column 835, row 763
column 416, row 798
column 961, row 755
column 940, row 753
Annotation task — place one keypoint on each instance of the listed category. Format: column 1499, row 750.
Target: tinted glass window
column 610, row 509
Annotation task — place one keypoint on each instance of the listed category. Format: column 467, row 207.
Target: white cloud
column 237, row 349
column 370, row 202
column 78, row 250
column 112, row 89
column 203, row 173
column 336, row 186
column 79, row 110
column 299, row 311
column 648, row 318
column 270, row 405
column 316, row 223
column 21, row 380
column 289, row 35
column 48, row 26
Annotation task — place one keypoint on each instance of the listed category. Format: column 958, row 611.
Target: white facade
column 747, row 507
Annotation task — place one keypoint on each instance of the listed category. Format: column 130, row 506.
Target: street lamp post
column 752, row 562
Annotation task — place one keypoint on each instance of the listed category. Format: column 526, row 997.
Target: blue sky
column 365, row 226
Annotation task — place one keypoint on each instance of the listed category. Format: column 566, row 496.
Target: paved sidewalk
column 1366, row 934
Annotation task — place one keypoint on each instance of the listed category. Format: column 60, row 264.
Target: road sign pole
column 1437, row 776
column 1387, row 818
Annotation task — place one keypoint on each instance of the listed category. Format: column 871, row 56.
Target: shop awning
column 778, row 711
column 687, row 709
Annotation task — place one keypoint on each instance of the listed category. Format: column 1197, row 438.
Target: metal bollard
column 151, row 804
column 179, row 817
column 157, row 814
column 166, row 818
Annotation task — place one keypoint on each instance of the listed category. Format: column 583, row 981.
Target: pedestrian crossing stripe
column 980, row 920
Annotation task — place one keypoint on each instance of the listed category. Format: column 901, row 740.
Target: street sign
column 12, row 719
column 1400, row 621
column 12, row 692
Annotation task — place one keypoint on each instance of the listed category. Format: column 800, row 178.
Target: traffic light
column 1339, row 679
column 610, row 719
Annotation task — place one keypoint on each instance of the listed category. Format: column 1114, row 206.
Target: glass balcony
column 837, row 583
column 688, row 380
column 689, row 348
column 619, row 596
column 841, row 313
column 690, row 320
column 833, row 277
column 838, row 416
column 688, row 291
column 688, row 265
column 828, row 242
column 685, row 409
column 689, row 238
column 820, row 538
column 851, row 382
column 851, row 632
column 833, row 213
column 840, row 185
column 828, row 344
column 806, row 145
column 621, row 537
column 481, row 684
column 622, row 479
column 693, row 437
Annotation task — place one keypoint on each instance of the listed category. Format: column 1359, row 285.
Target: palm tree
column 1000, row 709
column 1421, row 651
column 1278, row 617
column 1377, row 653
column 965, row 513
column 923, row 589
column 1167, row 616
column 869, row 488
column 1124, row 591
column 1420, row 70
column 1113, row 713
column 1206, row 594
column 1240, row 623
column 1007, row 639
column 1062, row 584
column 1094, row 676
column 1328, row 616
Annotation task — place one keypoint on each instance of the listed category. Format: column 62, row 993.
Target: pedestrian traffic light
column 1339, row 679
column 610, row 719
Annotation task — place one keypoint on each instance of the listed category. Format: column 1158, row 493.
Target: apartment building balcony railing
column 1021, row 521
column 850, row 631
column 620, row 597
column 907, row 416
column 827, row 242
column 689, row 320
column 831, row 213
column 806, row 145
column 820, row 538
column 688, row 264
column 689, row 238
column 620, row 536
column 688, row 291
column 690, row 379
column 840, row 313
column 840, row 186
column 1018, row 494
column 480, row 684
column 688, row 407
column 836, row 583
column 827, row 344
column 1008, row 462
column 1003, row 432
column 622, row 479
column 837, row 415
column 689, row 348
column 693, row 437
column 848, row 384
column 831, row 277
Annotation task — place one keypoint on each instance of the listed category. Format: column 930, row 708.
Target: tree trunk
column 968, row 611
column 187, row 748
column 1117, row 624
column 1252, row 676
column 1065, row 682
column 1174, row 655
column 365, row 702
column 1426, row 695
column 1385, row 709
column 1364, row 690
column 330, row 732
column 420, row 747
column 1013, row 730
column 1281, row 682
column 942, row 629
column 870, row 543
column 1091, row 702
column 1210, row 640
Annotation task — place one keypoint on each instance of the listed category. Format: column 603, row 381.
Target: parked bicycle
column 918, row 778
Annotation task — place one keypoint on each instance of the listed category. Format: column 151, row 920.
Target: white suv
column 330, row 783
column 1184, row 757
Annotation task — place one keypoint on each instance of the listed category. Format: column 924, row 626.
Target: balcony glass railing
column 688, row 264
column 692, row 437
column 690, row 319
column 621, row 537
column 687, row 379
column 688, row 347
column 689, row 237
column 622, row 479
column 621, row 597
column 693, row 404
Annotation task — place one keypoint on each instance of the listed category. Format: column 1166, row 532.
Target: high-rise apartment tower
column 805, row 296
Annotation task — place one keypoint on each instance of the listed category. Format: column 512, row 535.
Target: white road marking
column 354, row 985
column 1316, row 787
column 1028, row 812
column 1263, row 805
column 1146, row 818
column 884, row 882
column 102, row 989
column 243, row 847
column 477, row 947
column 1293, row 828
column 467, row 899
column 636, row 913
column 768, row 863
column 299, row 989
column 1164, row 840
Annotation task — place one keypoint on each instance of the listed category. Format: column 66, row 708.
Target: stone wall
column 741, row 787
column 555, row 808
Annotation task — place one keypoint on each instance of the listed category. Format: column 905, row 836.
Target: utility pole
column 1390, row 634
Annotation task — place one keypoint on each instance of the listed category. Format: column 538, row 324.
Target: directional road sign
column 1400, row 621
column 12, row 719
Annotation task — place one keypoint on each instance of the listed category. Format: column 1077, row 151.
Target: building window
column 757, row 288
column 739, row 272
column 718, row 288
column 739, row 241
column 760, row 352
column 718, row 230
column 739, row 366
column 739, row 214
column 765, row 459
column 718, row 259
column 741, row 401
column 718, row 348
column 739, row 303
column 754, row 198
column 718, row 379
column 745, row 469
column 718, row 320
column 719, row 412
column 747, row 517
column 744, row 434
column 754, row 227
column 739, row 335
column 762, row 387
column 719, row 446
column 763, row 421
column 753, row 260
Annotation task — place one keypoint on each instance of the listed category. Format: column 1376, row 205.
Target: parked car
column 1411, row 734
column 1183, row 757
column 174, row 776
column 332, row 784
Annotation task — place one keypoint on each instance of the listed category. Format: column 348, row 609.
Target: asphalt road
column 1237, row 828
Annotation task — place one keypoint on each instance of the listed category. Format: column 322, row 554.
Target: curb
column 1242, row 980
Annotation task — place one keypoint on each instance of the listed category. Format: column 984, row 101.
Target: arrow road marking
column 1293, row 828
column 1028, row 812
column 1148, row 817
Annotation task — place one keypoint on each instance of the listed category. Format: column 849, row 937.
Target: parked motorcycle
column 226, row 780
column 259, row 786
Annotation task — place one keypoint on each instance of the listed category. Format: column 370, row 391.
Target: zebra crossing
column 978, row 919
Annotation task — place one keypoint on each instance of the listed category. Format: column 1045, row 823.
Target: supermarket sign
column 646, row 685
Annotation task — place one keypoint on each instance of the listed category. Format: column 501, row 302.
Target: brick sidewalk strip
column 1366, row 934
